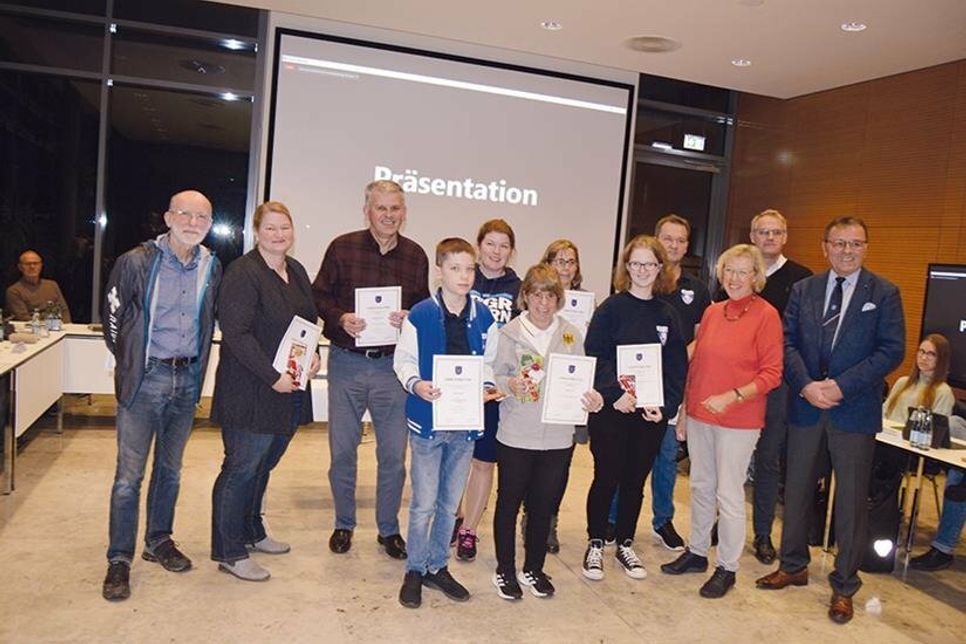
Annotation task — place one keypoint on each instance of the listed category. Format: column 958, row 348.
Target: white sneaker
column 270, row 546
column 245, row 569
column 629, row 561
column 594, row 560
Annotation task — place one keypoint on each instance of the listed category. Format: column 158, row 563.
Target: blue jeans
column 439, row 469
column 163, row 411
column 357, row 383
column 953, row 517
column 663, row 475
column 236, row 515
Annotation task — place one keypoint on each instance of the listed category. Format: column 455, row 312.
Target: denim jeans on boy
column 162, row 411
column 236, row 514
column 439, row 467
column 953, row 517
column 357, row 383
column 664, row 473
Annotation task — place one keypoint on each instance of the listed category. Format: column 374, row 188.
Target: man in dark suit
column 844, row 332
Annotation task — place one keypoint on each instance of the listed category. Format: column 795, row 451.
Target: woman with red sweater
column 737, row 361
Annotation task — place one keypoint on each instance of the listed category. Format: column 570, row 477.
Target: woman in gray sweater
column 533, row 457
column 257, row 407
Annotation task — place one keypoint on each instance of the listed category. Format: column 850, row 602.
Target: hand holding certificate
column 296, row 350
column 569, row 378
column 459, row 403
column 374, row 305
column 640, row 373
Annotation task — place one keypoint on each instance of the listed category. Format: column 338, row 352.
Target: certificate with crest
column 374, row 306
column 460, row 383
column 578, row 308
column 568, row 379
column 639, row 371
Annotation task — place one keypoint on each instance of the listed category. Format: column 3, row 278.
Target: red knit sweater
column 730, row 354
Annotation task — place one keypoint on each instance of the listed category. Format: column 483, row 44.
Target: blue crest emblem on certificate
column 571, row 368
column 459, row 369
column 573, row 302
column 378, row 299
column 639, row 356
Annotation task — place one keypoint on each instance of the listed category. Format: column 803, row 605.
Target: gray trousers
column 357, row 383
column 851, row 456
column 719, row 465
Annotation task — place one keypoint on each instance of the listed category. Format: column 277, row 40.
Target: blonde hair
column 663, row 283
column 744, row 250
column 540, row 278
column 385, row 186
column 770, row 212
column 267, row 207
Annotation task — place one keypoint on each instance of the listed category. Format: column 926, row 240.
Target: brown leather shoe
column 840, row 609
column 779, row 579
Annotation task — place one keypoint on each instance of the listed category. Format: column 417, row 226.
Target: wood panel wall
column 891, row 150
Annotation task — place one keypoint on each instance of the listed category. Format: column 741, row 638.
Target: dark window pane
column 185, row 60
column 661, row 190
column 48, row 179
column 192, row 14
column 161, row 142
column 54, row 43
column 93, row 7
column 678, row 92
column 656, row 126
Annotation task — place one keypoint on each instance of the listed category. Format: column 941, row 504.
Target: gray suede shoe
column 245, row 569
column 270, row 546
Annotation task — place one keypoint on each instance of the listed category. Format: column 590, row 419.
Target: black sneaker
column 507, row 586
column 629, row 560
column 720, row 583
column 687, row 562
column 610, row 534
column 117, row 583
column 456, row 532
column 538, row 583
column 167, row 554
column 411, row 593
column 668, row 537
column 442, row 580
column 765, row 550
column 594, row 560
column 932, row 560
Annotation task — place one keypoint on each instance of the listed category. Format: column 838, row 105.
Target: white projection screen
column 469, row 140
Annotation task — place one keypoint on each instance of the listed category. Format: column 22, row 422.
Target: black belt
column 177, row 362
column 372, row 354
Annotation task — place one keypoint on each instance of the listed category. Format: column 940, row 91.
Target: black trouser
column 624, row 447
column 769, row 455
column 533, row 476
column 851, row 456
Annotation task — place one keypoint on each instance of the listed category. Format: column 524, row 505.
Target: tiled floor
column 53, row 533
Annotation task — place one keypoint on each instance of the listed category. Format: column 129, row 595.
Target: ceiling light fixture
column 853, row 26
column 229, row 96
column 652, row 44
column 234, row 44
column 551, row 25
column 741, row 62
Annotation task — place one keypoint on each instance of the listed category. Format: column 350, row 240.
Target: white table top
column 953, row 455
column 12, row 355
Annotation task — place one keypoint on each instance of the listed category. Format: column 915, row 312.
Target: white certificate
column 374, row 306
column 568, row 379
column 578, row 308
column 639, row 370
column 460, row 383
column 296, row 350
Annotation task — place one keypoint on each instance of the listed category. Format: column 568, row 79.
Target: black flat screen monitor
column 944, row 311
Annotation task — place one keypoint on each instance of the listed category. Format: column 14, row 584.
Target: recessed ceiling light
column 233, row 44
column 229, row 96
column 652, row 44
column 741, row 62
column 551, row 25
column 854, row 26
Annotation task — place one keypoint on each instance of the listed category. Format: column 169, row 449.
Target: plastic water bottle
column 915, row 428
column 927, row 429
column 35, row 322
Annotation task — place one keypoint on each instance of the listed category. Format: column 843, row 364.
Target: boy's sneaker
column 629, row 560
column 466, row 545
column 442, row 580
column 668, row 537
column 411, row 593
column 538, row 583
column 456, row 532
column 507, row 586
column 594, row 560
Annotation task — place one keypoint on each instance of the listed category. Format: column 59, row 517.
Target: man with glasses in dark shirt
column 363, row 378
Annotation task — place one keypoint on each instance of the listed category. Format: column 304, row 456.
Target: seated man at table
column 32, row 291
column 953, row 517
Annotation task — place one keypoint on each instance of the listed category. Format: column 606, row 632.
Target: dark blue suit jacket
column 870, row 344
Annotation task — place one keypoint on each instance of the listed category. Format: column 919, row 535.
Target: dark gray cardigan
column 255, row 307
